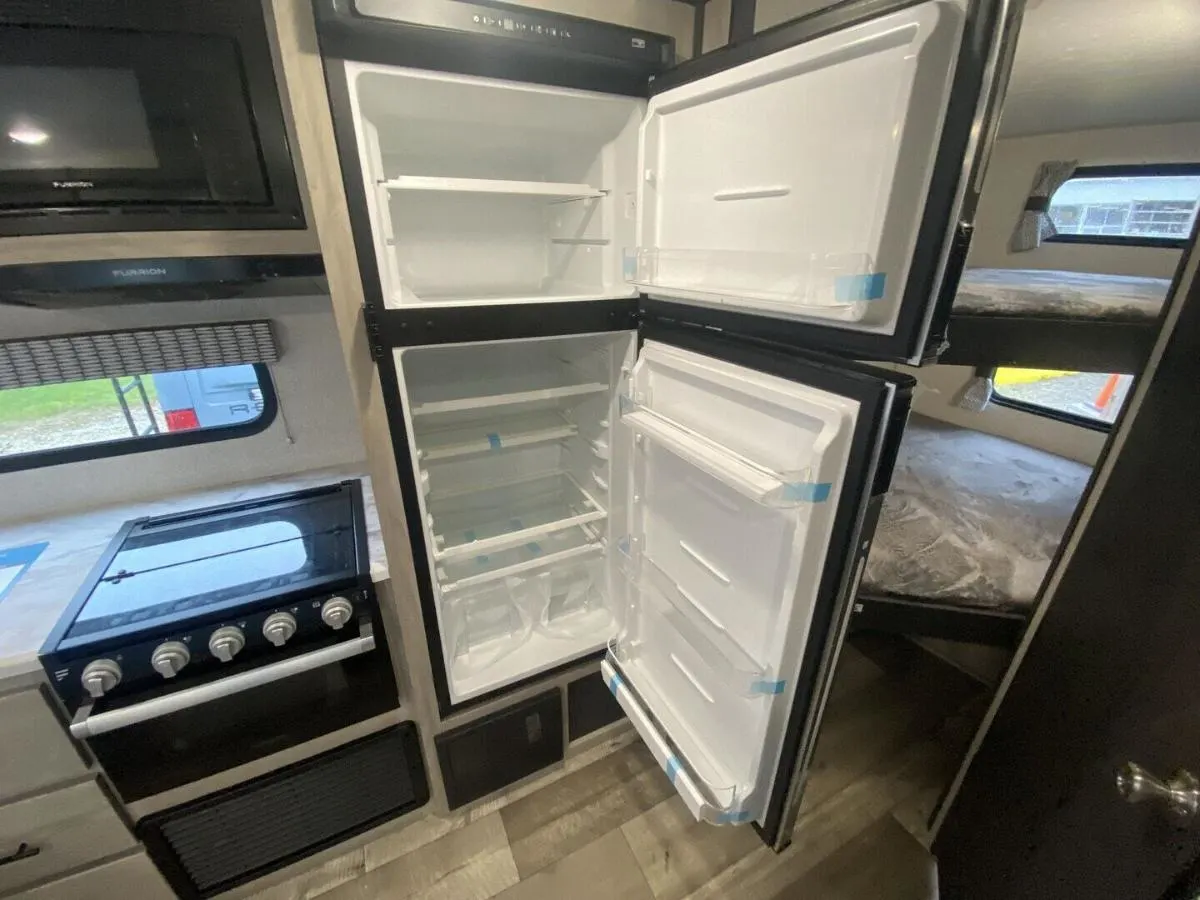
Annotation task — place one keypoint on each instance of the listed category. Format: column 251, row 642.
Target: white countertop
column 76, row 542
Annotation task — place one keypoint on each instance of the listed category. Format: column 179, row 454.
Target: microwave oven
column 138, row 115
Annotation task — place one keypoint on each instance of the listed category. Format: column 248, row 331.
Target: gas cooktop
column 191, row 588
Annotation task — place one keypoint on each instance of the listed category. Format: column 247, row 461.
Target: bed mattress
column 971, row 518
column 1038, row 292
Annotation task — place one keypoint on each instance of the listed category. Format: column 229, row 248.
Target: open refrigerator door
column 735, row 476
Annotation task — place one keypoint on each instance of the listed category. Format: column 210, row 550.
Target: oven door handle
column 87, row 725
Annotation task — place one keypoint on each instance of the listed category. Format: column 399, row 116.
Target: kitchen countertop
column 76, row 543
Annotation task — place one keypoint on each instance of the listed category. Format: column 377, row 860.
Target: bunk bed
column 966, row 535
column 1035, row 318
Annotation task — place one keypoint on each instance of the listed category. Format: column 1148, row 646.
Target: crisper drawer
column 59, row 831
column 35, row 751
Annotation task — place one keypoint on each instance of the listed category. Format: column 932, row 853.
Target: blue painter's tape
column 735, row 818
column 494, row 441
column 629, row 266
column 626, row 404
column 614, row 683
column 534, row 547
column 469, row 534
column 514, row 523
column 808, row 491
column 767, row 687
column 672, row 769
column 848, row 288
column 15, row 562
column 482, row 559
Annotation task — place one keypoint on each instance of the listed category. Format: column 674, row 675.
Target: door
column 750, row 483
column 1107, row 678
column 817, row 184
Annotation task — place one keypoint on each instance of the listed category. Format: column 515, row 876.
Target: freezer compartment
column 830, row 285
column 484, row 190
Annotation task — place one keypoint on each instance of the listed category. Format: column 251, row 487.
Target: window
column 59, row 423
column 1091, row 399
column 1152, row 206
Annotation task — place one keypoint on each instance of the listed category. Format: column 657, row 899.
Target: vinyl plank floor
column 884, row 862
column 679, row 854
column 605, row 869
column 609, row 826
column 470, row 863
column 582, row 806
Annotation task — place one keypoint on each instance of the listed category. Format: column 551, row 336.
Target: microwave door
column 752, row 481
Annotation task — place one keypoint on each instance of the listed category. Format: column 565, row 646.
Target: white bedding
column 1038, row 292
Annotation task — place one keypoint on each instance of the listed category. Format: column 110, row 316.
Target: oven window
column 73, row 118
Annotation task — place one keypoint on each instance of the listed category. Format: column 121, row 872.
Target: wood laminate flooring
column 609, row 826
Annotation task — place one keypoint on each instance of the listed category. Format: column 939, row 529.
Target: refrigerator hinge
column 371, row 322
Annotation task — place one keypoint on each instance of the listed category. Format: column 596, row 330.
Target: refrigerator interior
column 512, row 455
column 482, row 190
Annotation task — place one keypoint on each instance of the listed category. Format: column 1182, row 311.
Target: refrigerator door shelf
column 718, row 805
column 837, row 286
column 756, row 483
column 646, row 586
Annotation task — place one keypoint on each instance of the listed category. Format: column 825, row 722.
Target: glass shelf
column 550, row 190
column 508, row 514
column 477, row 438
column 466, row 572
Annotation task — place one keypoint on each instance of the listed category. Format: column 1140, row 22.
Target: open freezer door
column 751, row 483
column 817, row 184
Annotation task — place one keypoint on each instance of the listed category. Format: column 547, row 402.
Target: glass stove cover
column 174, row 567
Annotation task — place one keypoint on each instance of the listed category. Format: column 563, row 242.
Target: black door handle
column 24, row 851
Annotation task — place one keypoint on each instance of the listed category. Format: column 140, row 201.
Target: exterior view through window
column 1089, row 396
column 121, row 413
column 1133, row 207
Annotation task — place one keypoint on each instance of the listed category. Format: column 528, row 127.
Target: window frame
column 1125, row 171
column 40, row 459
column 1036, row 409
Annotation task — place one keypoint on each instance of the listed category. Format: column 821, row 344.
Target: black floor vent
column 240, row 834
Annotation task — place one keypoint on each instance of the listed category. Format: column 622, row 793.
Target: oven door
column 154, row 745
column 138, row 111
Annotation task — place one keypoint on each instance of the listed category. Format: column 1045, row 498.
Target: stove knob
column 100, row 676
column 167, row 659
column 226, row 642
column 336, row 612
column 279, row 627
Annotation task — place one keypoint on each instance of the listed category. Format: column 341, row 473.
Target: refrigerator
column 629, row 317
